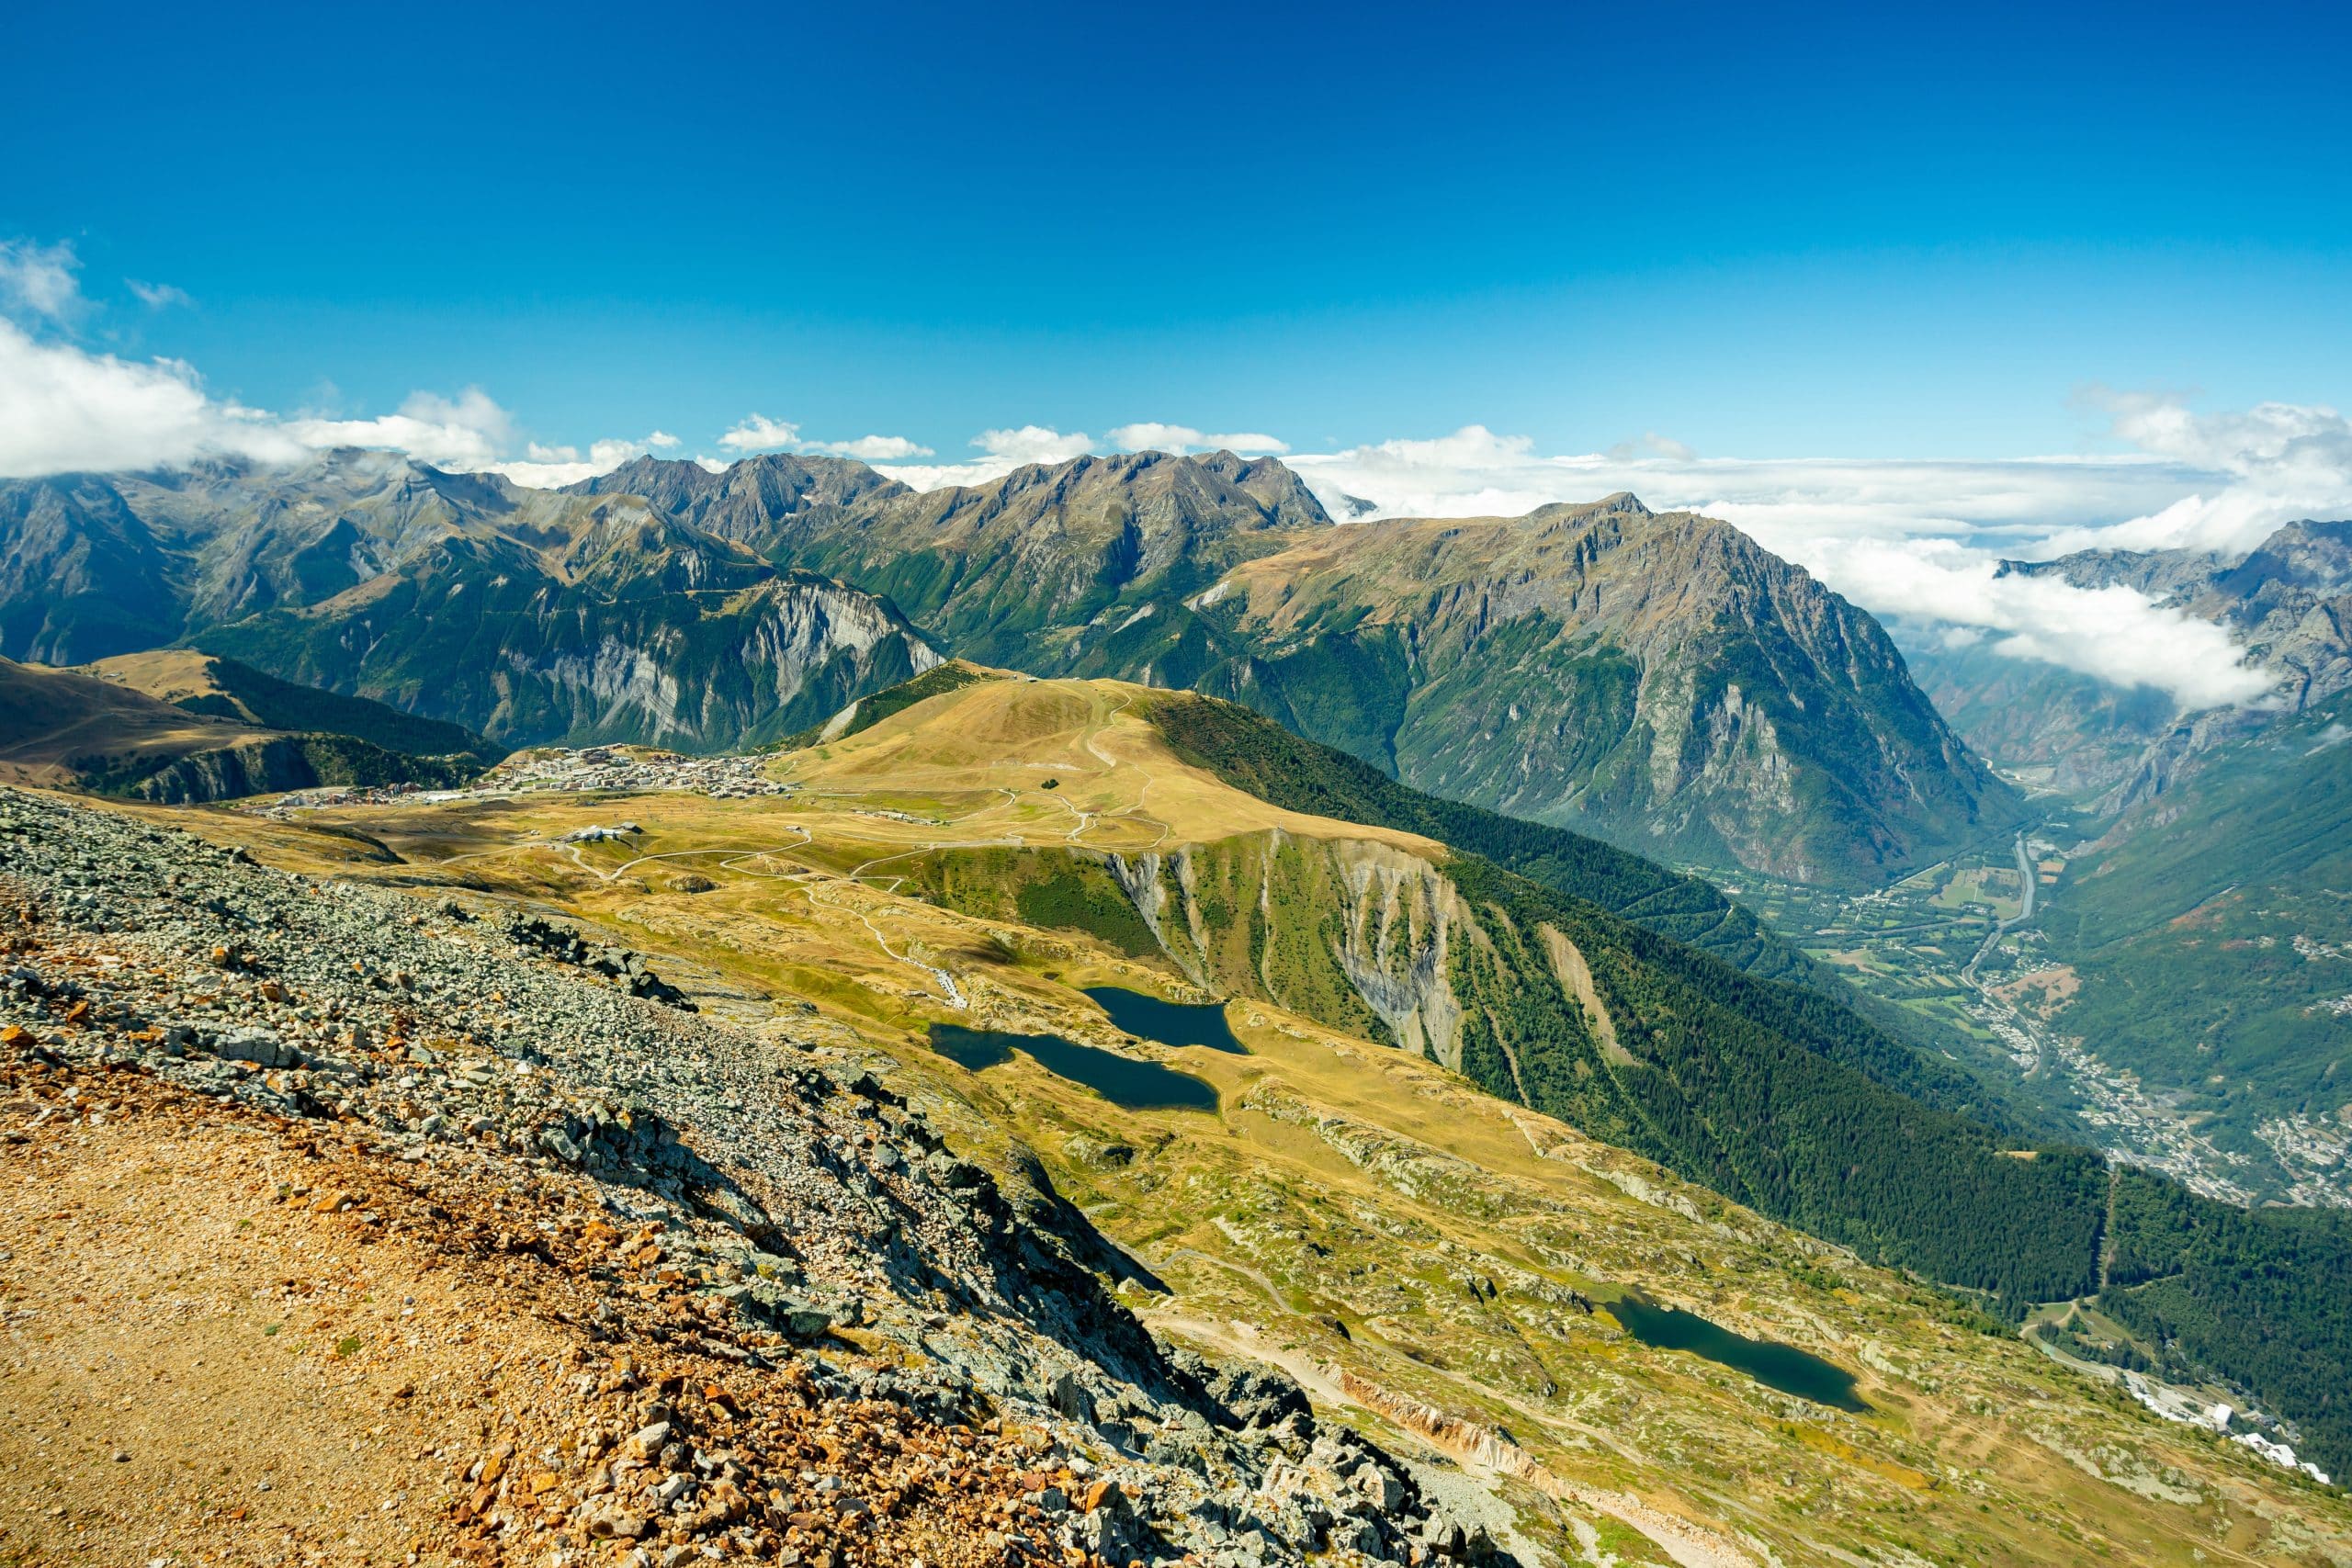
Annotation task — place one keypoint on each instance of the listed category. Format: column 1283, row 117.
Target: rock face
column 525, row 615
column 763, row 1204
column 1364, row 936
column 1660, row 680
column 752, row 500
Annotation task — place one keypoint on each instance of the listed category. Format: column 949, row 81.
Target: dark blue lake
column 1122, row 1080
column 1774, row 1365
column 1170, row 1023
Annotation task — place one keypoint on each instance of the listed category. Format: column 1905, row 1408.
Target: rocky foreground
column 566, row 1274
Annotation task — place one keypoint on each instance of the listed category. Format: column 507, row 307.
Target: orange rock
column 13, row 1036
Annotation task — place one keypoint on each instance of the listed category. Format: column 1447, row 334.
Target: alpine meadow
column 1372, row 787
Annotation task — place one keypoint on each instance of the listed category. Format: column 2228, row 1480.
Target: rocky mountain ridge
column 1658, row 680
column 523, row 615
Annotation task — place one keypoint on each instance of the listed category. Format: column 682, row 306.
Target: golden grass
column 1347, row 1185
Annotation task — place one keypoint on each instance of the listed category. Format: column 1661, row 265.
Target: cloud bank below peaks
column 1920, row 541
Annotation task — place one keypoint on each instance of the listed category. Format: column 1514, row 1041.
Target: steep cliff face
column 1341, row 928
column 1659, row 681
column 523, row 615
column 523, row 659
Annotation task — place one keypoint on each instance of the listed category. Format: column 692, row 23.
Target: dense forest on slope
column 1773, row 1096
column 1253, row 753
column 2261, row 1297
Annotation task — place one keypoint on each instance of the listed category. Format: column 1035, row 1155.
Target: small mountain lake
column 1170, row 1023
column 1783, row 1367
column 1122, row 1080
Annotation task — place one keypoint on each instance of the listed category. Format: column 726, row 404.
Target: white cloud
column 1150, row 437
column 1650, row 444
column 63, row 410
column 1034, row 444
column 465, row 434
column 1921, row 539
column 2273, row 463
column 550, row 468
column 870, row 448
column 2116, row 634
column 38, row 280
column 1002, row 452
column 758, row 432
column 157, row 296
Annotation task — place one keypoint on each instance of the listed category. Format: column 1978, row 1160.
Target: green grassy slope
column 873, row 708
column 282, row 704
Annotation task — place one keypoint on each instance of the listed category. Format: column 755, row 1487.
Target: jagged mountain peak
column 751, row 501
column 2306, row 554
column 1622, row 503
column 1215, row 490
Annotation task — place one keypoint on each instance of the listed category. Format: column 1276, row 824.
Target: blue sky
column 1899, row 290
column 1855, row 231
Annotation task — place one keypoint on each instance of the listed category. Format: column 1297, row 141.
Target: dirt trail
column 191, row 1364
column 235, row 1339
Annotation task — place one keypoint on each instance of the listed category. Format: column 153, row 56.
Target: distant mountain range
column 2288, row 603
column 525, row 614
column 1657, row 679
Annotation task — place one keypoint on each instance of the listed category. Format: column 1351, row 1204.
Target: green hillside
column 282, row 704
